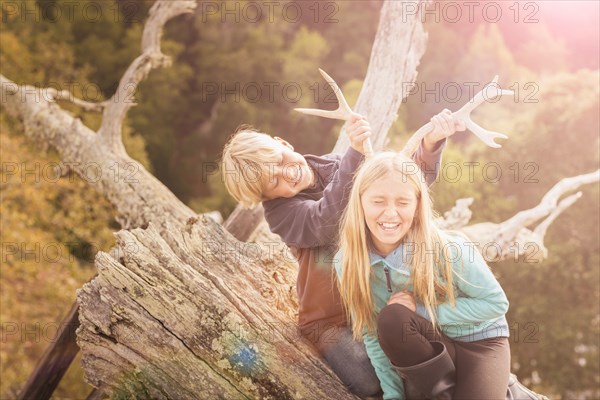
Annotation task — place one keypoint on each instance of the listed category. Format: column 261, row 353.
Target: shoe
column 411, row 392
column 434, row 378
column 516, row 391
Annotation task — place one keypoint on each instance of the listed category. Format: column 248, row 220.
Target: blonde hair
column 245, row 164
column 431, row 276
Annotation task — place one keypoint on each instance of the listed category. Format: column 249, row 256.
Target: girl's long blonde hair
column 431, row 273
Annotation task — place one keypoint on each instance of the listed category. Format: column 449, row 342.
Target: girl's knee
column 393, row 315
column 393, row 322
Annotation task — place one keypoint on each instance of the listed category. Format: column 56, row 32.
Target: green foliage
column 551, row 57
column 54, row 228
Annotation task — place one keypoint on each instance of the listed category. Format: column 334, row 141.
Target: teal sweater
column 479, row 313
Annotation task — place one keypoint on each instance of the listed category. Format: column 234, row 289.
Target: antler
column 464, row 114
column 343, row 112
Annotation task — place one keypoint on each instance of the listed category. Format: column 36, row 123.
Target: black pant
column 482, row 367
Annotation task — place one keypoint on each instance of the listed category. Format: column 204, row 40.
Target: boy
column 303, row 198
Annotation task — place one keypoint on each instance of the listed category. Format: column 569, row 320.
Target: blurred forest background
column 548, row 52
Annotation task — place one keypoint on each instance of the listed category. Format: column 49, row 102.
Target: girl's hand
column 358, row 131
column 405, row 298
column 444, row 125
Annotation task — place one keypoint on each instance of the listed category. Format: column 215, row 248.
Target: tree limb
column 513, row 238
column 137, row 195
column 54, row 95
column 193, row 320
column 151, row 57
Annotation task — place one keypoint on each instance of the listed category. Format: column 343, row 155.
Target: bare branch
column 549, row 202
column 512, row 237
column 459, row 216
column 138, row 196
column 54, row 95
column 36, row 109
column 151, row 57
column 562, row 206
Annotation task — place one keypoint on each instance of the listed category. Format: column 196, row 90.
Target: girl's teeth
column 388, row 226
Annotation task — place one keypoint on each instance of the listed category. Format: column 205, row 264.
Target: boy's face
column 288, row 175
column 389, row 205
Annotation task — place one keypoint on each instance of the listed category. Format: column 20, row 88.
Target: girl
column 437, row 308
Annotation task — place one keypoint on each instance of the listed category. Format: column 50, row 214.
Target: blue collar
column 395, row 260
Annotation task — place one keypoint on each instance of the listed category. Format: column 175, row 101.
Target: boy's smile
column 289, row 175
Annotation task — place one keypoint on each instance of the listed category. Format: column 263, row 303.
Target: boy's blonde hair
column 431, row 275
column 248, row 159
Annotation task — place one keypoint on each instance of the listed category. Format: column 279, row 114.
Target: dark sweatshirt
column 309, row 224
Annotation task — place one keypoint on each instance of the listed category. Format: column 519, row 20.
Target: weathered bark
column 180, row 308
column 242, row 222
column 197, row 321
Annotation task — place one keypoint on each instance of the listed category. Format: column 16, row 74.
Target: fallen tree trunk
column 197, row 321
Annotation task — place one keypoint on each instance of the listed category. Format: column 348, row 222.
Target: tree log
column 196, row 320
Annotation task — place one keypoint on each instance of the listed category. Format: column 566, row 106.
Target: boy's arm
column 310, row 223
column 430, row 160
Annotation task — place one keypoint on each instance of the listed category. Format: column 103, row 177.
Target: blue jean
column 349, row 360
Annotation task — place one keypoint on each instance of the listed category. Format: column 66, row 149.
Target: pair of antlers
column 344, row 112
